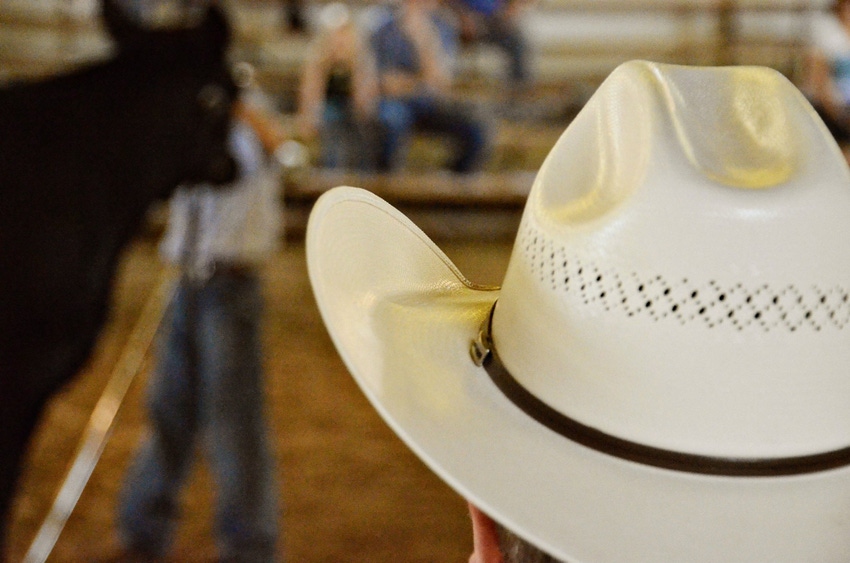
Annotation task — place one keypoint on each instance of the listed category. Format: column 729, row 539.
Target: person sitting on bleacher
column 339, row 94
column 415, row 47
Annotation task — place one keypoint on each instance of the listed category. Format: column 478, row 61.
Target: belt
column 231, row 268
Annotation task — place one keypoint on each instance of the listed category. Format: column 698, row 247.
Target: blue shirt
column 395, row 52
column 484, row 7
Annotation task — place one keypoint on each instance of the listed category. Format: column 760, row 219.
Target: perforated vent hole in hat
column 713, row 304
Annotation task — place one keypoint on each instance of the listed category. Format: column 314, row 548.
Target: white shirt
column 239, row 223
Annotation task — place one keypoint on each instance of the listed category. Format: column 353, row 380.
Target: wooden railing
column 486, row 189
column 445, row 206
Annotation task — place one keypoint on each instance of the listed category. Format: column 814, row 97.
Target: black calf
column 81, row 158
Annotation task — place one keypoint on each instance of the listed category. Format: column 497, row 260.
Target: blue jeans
column 400, row 117
column 208, row 389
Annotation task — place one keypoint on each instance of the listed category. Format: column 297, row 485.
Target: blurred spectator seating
column 575, row 44
column 573, row 41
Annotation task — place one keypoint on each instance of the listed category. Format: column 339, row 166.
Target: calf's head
column 189, row 92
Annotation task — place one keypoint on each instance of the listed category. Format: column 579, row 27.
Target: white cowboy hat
column 668, row 375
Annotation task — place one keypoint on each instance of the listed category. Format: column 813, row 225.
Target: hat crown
column 678, row 278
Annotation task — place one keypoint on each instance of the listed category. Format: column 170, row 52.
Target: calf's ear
column 125, row 31
column 216, row 26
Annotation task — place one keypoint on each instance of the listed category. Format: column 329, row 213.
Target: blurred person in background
column 827, row 72
column 416, row 48
column 208, row 388
column 338, row 96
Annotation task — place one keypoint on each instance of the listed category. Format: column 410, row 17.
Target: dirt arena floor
column 350, row 490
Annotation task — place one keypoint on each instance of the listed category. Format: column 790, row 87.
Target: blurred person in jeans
column 415, row 48
column 208, row 386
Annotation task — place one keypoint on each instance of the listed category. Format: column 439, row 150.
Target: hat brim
column 402, row 318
